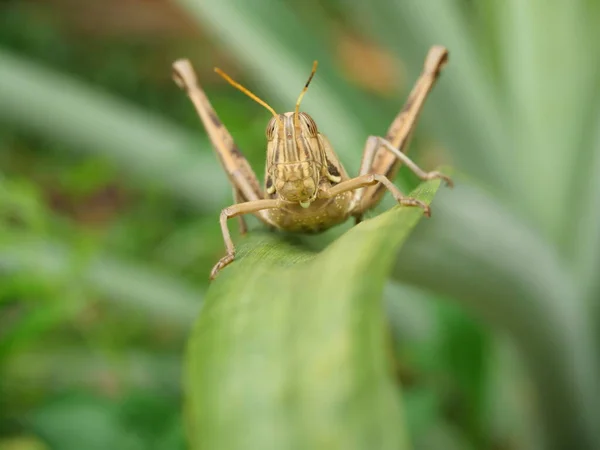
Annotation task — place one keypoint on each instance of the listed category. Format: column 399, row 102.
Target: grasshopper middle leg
column 374, row 143
column 379, row 141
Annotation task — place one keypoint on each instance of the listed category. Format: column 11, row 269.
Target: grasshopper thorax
column 295, row 158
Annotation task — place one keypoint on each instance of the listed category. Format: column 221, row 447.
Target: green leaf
column 137, row 287
column 289, row 348
column 587, row 232
column 66, row 111
column 79, row 422
column 129, row 369
column 495, row 266
column 549, row 145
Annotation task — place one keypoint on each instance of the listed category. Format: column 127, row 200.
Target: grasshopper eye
column 271, row 128
column 310, row 124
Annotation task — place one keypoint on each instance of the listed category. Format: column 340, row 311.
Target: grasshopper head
column 296, row 183
column 295, row 153
column 295, row 158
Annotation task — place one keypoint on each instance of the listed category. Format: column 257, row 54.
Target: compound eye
column 271, row 128
column 310, row 124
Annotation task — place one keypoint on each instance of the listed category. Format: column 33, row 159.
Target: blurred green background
column 110, row 193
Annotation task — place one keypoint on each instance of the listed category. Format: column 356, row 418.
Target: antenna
column 254, row 97
column 304, row 89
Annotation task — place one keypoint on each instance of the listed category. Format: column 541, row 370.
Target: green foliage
column 306, row 331
column 109, row 200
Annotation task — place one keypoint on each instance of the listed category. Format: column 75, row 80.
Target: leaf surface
column 289, row 350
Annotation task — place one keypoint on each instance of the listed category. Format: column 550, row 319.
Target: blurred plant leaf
column 478, row 253
column 462, row 353
column 74, row 423
column 511, row 415
column 128, row 285
column 29, row 327
column 20, row 203
column 137, row 421
column 409, row 311
column 288, row 350
column 92, row 368
column 586, row 232
column 549, row 100
column 67, row 111
column 23, row 443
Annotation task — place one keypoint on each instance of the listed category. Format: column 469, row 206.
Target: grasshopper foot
column 223, row 262
column 408, row 201
column 435, row 174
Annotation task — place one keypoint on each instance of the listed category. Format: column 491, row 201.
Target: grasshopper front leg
column 384, row 155
column 246, row 189
column 238, row 210
column 373, row 179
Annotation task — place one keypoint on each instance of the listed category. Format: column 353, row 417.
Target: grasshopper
column 306, row 188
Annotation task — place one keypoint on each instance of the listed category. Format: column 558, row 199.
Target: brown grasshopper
column 306, row 187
